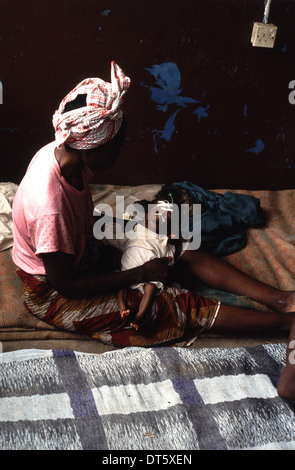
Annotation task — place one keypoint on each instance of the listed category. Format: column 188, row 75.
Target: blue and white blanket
column 145, row 399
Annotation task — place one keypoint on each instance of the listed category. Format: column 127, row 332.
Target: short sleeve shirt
column 49, row 214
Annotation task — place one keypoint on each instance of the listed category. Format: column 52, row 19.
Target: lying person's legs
column 217, row 273
column 245, row 321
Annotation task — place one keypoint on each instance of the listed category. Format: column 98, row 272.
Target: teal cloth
column 225, row 218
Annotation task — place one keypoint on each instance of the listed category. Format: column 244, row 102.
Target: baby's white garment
column 141, row 245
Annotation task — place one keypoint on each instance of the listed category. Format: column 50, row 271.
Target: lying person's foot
column 285, row 303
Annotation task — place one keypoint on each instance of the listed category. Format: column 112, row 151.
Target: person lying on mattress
column 53, row 233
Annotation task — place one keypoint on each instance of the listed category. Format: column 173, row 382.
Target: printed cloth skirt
column 176, row 315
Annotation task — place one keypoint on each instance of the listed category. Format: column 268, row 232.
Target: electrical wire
column 266, row 11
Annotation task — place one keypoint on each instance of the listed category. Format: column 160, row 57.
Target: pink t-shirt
column 49, row 214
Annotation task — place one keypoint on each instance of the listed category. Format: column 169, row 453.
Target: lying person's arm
column 65, row 279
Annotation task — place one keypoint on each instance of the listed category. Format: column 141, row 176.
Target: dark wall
column 204, row 105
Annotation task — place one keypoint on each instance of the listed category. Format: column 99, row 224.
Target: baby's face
column 155, row 217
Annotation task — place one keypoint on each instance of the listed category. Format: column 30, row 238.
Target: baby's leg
column 122, row 301
column 145, row 304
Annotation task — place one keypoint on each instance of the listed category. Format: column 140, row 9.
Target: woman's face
column 102, row 157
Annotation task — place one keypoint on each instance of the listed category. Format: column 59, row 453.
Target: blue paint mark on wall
column 168, row 79
column 167, row 92
column 168, row 130
column 201, row 112
column 259, row 147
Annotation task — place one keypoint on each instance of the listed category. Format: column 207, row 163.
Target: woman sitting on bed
column 53, row 235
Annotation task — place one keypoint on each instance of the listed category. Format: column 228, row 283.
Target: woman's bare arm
column 65, row 278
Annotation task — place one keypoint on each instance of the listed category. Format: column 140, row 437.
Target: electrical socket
column 263, row 35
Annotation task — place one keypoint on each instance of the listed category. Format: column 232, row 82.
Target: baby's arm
column 145, row 304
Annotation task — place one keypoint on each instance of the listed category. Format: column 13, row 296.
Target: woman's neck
column 71, row 166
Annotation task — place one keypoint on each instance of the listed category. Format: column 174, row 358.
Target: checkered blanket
column 145, row 399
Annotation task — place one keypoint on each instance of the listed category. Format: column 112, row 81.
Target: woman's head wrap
column 101, row 118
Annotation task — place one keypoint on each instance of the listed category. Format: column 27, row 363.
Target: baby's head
column 158, row 217
column 162, row 214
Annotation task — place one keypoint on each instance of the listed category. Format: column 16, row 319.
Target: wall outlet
column 263, row 35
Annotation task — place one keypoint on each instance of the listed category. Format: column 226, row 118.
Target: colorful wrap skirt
column 176, row 315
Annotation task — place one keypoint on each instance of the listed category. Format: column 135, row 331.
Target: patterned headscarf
column 101, row 118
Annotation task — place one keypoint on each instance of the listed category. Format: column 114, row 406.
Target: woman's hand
column 156, row 270
column 65, row 279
